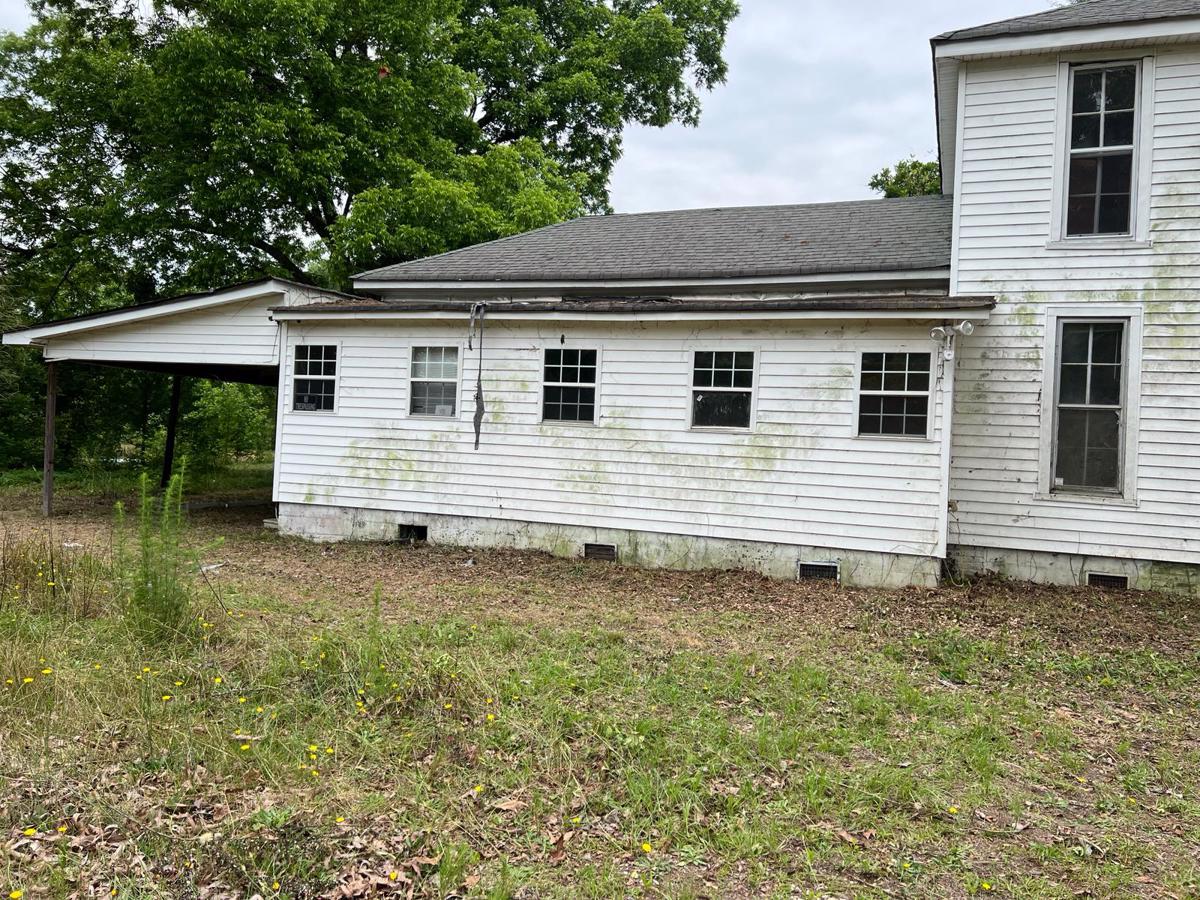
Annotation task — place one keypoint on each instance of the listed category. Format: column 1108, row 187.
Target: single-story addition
column 1003, row 377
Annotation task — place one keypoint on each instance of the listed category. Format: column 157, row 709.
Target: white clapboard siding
column 238, row 333
column 1002, row 230
column 801, row 476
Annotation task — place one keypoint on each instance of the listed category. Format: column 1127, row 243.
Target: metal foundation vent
column 816, row 571
column 412, row 534
column 1108, row 582
column 605, row 552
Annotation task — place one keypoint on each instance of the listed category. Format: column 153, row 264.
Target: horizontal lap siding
column 800, row 477
column 233, row 334
column 1002, row 230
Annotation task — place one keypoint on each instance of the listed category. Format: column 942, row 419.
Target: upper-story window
column 1103, row 130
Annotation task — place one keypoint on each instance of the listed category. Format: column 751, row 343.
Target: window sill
column 432, row 418
column 1081, row 499
column 1124, row 242
column 312, row 412
column 717, row 429
column 907, row 438
column 568, row 423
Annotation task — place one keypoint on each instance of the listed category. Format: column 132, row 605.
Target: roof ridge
column 1140, row 11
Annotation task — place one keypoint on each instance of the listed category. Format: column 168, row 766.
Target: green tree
column 147, row 150
column 909, row 178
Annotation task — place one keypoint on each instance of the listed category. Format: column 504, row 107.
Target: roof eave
column 951, row 46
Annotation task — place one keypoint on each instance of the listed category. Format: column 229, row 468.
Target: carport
column 227, row 334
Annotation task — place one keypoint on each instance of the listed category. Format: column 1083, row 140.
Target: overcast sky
column 821, row 94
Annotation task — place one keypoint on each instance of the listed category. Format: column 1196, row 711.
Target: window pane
column 1083, row 175
column 744, row 360
column 1072, row 386
column 312, row 394
column 704, row 360
column 1118, row 130
column 1081, row 215
column 723, row 360
column 1088, row 90
column 1117, row 174
column 1085, row 132
column 723, row 378
column 1114, row 214
column 872, row 405
column 918, row 381
column 894, row 381
column 1076, row 338
column 1107, row 342
column 569, row 404
column 918, row 362
column 433, row 398
column 1089, row 454
column 721, row 409
column 1120, row 89
column 872, row 362
column 1106, row 386
column 703, row 378
column 587, row 357
column 872, row 381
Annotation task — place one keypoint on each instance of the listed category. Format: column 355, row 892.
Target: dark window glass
column 731, row 374
column 1099, row 181
column 434, row 398
column 1090, row 384
column 562, row 401
column 894, row 394
column 315, row 366
column 721, row 409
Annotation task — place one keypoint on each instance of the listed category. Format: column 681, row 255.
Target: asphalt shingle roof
column 1080, row 15
column 903, row 234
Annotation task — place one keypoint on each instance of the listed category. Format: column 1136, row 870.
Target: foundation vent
column 412, row 534
column 605, row 552
column 1108, row 582
column 816, row 571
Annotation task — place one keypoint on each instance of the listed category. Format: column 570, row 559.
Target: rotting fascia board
column 1053, row 41
column 498, row 314
column 40, row 333
column 639, row 284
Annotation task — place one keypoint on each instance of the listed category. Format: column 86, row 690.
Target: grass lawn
column 379, row 720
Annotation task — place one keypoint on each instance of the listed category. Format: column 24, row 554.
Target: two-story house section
column 1071, row 143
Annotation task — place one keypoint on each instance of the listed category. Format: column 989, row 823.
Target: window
column 894, row 394
column 1088, row 431
column 722, row 389
column 1103, row 129
column 569, row 386
column 433, row 382
column 313, row 389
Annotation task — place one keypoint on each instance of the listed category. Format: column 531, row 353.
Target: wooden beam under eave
column 48, row 441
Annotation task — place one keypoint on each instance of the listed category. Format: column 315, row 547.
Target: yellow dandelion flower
column 449, row 705
column 312, row 748
column 328, row 749
column 646, row 848
column 986, row 886
column 61, row 829
column 479, row 788
column 244, row 747
column 274, row 885
column 574, row 820
column 392, row 876
column 95, row 665
column 315, row 773
column 217, row 680
column 145, row 668
column 488, row 700
column 8, row 681
column 47, row 671
column 16, row 895
column 166, row 697
column 258, row 709
column 953, row 810
column 27, row 680
column 241, row 699
column 29, row 832
column 491, row 717
column 340, row 819
column 179, row 684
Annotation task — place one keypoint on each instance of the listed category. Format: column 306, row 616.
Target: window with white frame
column 894, row 393
column 1090, row 404
column 433, row 382
column 314, row 384
column 569, row 386
column 722, row 388
column 1103, row 133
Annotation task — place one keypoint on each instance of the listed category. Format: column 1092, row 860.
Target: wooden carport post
column 172, row 425
column 48, row 446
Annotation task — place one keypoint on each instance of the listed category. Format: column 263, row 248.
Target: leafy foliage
column 150, row 150
column 909, row 178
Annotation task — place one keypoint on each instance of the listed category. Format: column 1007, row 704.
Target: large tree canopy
column 147, row 149
column 214, row 137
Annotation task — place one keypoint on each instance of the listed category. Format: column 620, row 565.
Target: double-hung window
column 433, row 382
column 893, row 396
column 569, row 386
column 1103, row 133
column 1090, row 405
column 314, row 384
column 722, row 388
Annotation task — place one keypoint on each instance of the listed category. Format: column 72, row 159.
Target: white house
column 1004, row 377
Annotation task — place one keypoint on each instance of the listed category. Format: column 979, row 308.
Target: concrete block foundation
column 1070, row 569
column 640, row 548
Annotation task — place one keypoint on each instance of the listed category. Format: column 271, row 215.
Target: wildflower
column 217, row 680
column 986, row 886
column 392, row 876
column 95, row 665
column 258, row 709
column 241, row 699
column 328, row 749
column 179, row 684
column 166, row 698
column 312, row 748
column 479, row 788
column 26, row 680
column 449, row 705
column 16, row 895
column 145, row 668
column 244, row 747
column 953, row 810
column 315, row 773
column 49, row 584
column 574, row 820
column 8, row 681
column 274, row 885
column 646, row 848
column 47, row 671
column 61, row 829
column 29, row 832
column 340, row 819
column 491, row 717
column 488, row 700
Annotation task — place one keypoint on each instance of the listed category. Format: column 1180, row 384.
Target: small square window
column 722, row 388
column 314, row 378
column 433, row 382
column 569, row 385
column 894, row 391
